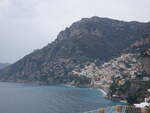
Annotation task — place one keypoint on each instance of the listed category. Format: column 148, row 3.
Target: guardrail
column 120, row 109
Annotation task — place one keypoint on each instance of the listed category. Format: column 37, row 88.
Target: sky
column 26, row 25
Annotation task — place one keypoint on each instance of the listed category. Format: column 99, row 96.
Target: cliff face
column 86, row 41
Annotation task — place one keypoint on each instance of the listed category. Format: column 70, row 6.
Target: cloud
column 26, row 25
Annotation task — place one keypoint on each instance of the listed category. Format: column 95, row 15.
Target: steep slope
column 133, row 84
column 88, row 40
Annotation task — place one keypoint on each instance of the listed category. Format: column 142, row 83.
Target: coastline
column 102, row 91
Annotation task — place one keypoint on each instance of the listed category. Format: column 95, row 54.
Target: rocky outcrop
column 90, row 40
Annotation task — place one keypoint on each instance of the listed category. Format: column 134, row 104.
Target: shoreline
column 105, row 95
column 102, row 91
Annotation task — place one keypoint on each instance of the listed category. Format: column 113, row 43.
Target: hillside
column 134, row 85
column 90, row 40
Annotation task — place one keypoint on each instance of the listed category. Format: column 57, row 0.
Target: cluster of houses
column 125, row 67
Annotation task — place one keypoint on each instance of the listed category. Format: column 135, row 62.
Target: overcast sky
column 26, row 25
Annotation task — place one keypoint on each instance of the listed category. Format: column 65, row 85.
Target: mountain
column 3, row 65
column 90, row 40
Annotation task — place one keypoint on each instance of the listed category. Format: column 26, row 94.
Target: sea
column 31, row 98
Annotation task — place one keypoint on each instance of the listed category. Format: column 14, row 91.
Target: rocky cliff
column 90, row 40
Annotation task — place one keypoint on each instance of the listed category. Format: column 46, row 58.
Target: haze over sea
column 28, row 98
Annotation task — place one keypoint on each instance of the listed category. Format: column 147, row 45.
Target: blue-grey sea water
column 28, row 98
